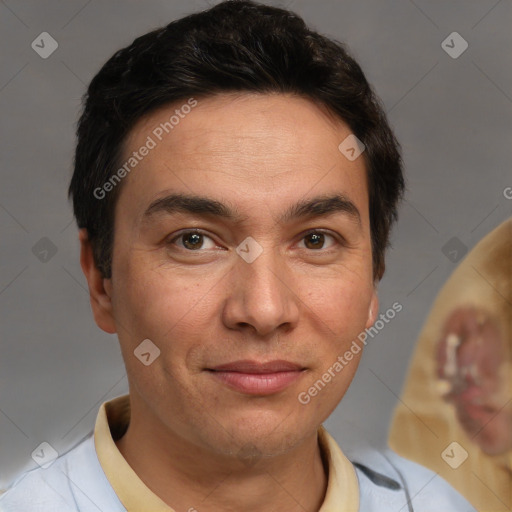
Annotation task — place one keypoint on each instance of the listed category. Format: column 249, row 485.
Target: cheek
column 339, row 310
column 169, row 313
column 342, row 305
column 159, row 304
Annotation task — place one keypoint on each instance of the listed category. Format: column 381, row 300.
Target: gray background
column 452, row 116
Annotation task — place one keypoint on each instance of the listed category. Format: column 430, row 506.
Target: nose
column 261, row 296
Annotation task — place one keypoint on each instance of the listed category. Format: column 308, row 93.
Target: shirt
column 93, row 476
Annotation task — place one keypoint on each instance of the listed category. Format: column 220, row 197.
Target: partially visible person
column 459, row 387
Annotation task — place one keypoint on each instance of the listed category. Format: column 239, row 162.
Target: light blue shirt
column 76, row 482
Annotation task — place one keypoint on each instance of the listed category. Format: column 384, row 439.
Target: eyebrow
column 200, row 205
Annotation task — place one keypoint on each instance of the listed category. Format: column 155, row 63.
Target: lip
column 249, row 366
column 257, row 378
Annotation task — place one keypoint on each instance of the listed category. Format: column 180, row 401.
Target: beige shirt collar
column 112, row 420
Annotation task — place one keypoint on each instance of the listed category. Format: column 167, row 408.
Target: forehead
column 246, row 143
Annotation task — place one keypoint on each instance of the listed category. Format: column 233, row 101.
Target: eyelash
column 337, row 239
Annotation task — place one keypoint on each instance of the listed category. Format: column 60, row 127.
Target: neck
column 188, row 477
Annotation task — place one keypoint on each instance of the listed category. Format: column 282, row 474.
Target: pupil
column 315, row 240
column 193, row 241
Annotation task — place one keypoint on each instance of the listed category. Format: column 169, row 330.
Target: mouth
column 256, row 378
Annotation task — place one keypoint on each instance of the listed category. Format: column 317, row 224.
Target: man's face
column 299, row 290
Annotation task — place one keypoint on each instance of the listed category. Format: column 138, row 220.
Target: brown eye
column 314, row 240
column 318, row 240
column 193, row 241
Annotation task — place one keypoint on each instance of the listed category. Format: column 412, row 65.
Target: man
column 235, row 182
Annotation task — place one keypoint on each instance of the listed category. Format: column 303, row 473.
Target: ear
column 373, row 308
column 99, row 287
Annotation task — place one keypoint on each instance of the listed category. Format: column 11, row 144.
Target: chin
column 253, row 437
column 248, row 447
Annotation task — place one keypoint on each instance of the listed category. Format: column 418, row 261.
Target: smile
column 253, row 378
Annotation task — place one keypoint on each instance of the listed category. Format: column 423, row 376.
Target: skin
column 194, row 441
column 480, row 384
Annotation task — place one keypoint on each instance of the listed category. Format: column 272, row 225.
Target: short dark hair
column 237, row 45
